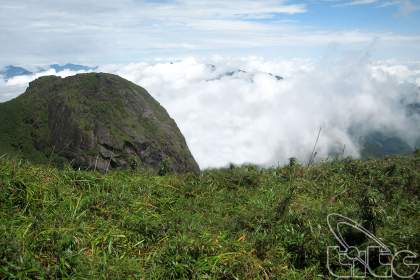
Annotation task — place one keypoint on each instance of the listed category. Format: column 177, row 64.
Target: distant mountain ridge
column 235, row 73
column 11, row 71
column 71, row 67
column 379, row 144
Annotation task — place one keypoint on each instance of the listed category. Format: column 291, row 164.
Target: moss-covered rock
column 92, row 121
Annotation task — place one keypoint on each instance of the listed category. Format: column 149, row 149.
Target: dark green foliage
column 242, row 222
column 378, row 145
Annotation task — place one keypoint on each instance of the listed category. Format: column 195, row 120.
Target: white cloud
column 407, row 8
column 357, row 3
column 251, row 116
column 388, row 4
column 41, row 32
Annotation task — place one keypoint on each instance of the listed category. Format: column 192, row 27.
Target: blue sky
column 379, row 16
column 99, row 32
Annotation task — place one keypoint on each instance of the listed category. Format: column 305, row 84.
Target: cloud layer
column 237, row 110
column 98, row 32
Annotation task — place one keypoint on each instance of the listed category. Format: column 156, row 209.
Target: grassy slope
column 241, row 222
column 18, row 118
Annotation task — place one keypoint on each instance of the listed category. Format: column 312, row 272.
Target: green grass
column 236, row 223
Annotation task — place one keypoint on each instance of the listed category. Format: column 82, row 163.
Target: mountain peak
column 71, row 67
column 11, row 71
column 93, row 121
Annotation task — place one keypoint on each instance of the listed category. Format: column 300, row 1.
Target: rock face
column 93, row 121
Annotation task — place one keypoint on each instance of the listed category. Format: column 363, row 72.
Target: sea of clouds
column 252, row 116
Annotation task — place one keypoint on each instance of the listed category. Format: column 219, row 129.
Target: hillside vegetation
column 233, row 223
column 94, row 121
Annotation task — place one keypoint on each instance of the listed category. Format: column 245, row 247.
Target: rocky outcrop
column 96, row 121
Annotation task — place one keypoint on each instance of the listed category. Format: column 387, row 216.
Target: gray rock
column 94, row 121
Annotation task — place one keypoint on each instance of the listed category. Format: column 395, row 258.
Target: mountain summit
column 92, row 121
column 71, row 67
